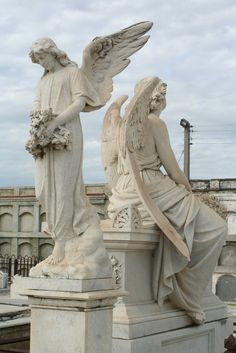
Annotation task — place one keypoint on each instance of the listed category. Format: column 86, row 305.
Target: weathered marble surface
column 193, row 233
column 71, row 322
column 139, row 324
column 62, row 94
column 73, row 285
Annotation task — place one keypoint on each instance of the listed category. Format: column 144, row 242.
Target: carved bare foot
column 198, row 317
column 57, row 254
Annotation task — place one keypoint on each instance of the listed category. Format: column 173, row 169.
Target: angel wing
column 131, row 138
column 133, row 126
column 109, row 149
column 107, row 56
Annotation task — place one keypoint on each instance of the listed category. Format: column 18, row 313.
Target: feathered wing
column 107, row 56
column 133, row 126
column 130, row 139
column 109, row 149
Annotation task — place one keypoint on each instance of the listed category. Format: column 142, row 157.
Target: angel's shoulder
column 156, row 122
column 72, row 69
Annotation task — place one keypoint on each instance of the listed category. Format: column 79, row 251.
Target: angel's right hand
column 50, row 129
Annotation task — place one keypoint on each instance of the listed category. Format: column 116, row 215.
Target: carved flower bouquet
column 39, row 141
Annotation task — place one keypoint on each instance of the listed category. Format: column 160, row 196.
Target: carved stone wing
column 107, row 56
column 109, row 149
column 129, row 142
column 133, row 126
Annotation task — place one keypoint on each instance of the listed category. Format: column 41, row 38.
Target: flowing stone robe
column 58, row 178
column 202, row 229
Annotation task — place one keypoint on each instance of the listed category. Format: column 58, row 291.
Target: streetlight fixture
column 186, row 125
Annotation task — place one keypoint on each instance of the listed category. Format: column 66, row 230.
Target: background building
column 22, row 219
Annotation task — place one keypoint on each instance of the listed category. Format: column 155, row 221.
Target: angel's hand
column 50, row 129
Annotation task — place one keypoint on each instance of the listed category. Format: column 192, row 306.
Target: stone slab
column 207, row 338
column 140, row 320
column 11, row 311
column 66, row 285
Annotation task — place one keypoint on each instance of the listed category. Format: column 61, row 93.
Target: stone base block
column 208, row 338
column 71, row 321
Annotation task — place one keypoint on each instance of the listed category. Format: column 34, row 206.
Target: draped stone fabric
column 202, row 229
column 58, row 178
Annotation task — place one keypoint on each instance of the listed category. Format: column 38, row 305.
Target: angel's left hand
column 50, row 128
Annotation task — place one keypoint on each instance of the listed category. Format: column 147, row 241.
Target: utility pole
column 187, row 126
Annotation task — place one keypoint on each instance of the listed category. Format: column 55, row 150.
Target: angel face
column 45, row 52
column 158, row 98
column 46, row 60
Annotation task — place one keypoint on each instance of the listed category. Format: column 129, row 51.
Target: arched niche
column 25, row 249
column 26, row 222
column 228, row 255
column 43, row 223
column 226, row 288
column 232, row 222
column 45, row 250
column 5, row 249
column 6, row 222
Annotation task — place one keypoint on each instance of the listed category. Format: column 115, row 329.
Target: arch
column 45, row 250
column 26, row 222
column 226, row 287
column 232, row 222
column 25, row 249
column 228, row 255
column 5, row 249
column 6, row 222
column 43, row 223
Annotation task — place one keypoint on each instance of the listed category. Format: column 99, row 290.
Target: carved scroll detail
column 127, row 218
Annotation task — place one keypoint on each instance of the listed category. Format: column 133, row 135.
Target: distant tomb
column 226, row 288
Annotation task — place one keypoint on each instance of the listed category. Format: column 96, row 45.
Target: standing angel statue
column 193, row 234
column 57, row 144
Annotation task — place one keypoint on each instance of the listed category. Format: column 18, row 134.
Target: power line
column 218, row 130
column 215, row 124
column 214, row 143
column 215, row 138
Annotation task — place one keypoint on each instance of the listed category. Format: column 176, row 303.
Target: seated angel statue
column 193, row 234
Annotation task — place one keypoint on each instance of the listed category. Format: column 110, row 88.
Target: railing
column 20, row 265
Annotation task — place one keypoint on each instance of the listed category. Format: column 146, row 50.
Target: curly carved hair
column 159, row 93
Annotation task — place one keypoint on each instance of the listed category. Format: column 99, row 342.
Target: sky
column 192, row 47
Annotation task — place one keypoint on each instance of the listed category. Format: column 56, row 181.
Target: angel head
column 157, row 100
column 45, row 52
column 158, row 97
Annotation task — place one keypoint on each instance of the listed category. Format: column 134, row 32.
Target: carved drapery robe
column 202, row 229
column 58, row 178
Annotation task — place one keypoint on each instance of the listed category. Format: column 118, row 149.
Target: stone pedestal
column 75, row 321
column 139, row 324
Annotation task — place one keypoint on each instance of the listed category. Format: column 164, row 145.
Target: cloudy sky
column 192, row 48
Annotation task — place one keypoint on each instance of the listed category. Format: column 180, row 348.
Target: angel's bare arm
column 69, row 114
column 166, row 153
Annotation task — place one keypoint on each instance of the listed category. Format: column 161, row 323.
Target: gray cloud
column 192, row 47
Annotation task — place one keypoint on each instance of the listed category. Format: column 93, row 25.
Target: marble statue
column 138, row 147
column 56, row 142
